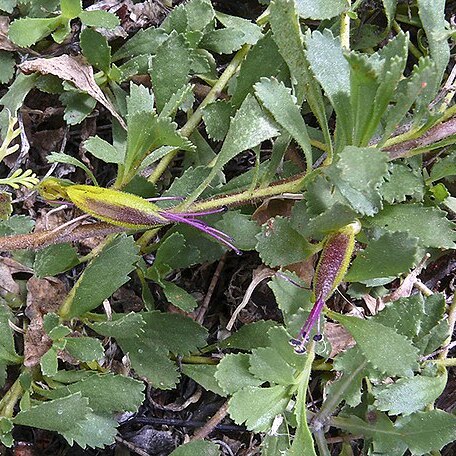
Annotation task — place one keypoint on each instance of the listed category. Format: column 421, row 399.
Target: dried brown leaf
column 339, row 338
column 74, row 70
column 43, row 296
column 5, row 43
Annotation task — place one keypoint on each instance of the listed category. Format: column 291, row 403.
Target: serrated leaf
column 409, row 395
column 267, row 365
column 99, row 18
column 428, row 224
column 7, row 64
column 204, row 374
column 320, row 9
column 7, row 350
column 147, row 132
column 197, row 448
column 95, row 431
column 169, row 75
column 278, row 100
column 263, row 60
column 387, row 350
column 233, row 373
column 54, row 260
column 287, row 34
column 200, row 13
column 217, row 118
column 145, row 42
column 432, row 15
column 354, row 367
column 60, row 415
column 332, row 71
column 241, row 228
column 84, row 349
column 115, row 261
column 70, row 8
column 388, row 256
column 257, row 407
column 414, row 88
column 249, row 127
column 106, row 393
column 103, row 150
column 77, row 106
column 122, row 325
column 290, row 298
column 96, row 49
column 250, row 336
column 178, row 296
column 27, row 31
column 140, row 99
column 238, row 32
column 401, row 182
column 49, row 362
column 279, row 244
column 182, row 98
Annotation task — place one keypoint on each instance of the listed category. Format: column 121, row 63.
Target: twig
column 131, row 446
column 210, row 291
column 204, row 431
column 451, row 324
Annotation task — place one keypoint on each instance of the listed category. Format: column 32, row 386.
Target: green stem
column 194, row 359
column 345, row 31
column 322, row 445
column 196, row 117
column 10, row 399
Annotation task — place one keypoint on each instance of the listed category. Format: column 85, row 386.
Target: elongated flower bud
column 127, row 210
column 331, row 269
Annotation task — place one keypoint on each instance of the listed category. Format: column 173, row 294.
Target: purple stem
column 201, row 226
column 303, row 337
column 199, row 214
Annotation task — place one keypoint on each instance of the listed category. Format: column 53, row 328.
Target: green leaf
column 320, row 9
column 105, row 393
column 140, row 99
column 290, row 298
column 200, row 14
column 204, row 374
column 183, row 96
column 238, row 32
column 77, row 106
column 241, row 228
column 428, row 224
column 7, row 64
column 267, row 365
column 401, row 182
column 178, row 296
column 8, row 5
column 358, row 174
column 95, row 431
column 60, row 415
column 332, row 71
column 257, row 407
column 99, row 18
column 169, row 75
column 432, row 15
column 387, row 350
column 409, row 395
column 27, row 31
column 84, row 349
column 17, row 224
column 96, row 49
column 147, row 132
column 233, row 373
column 7, row 351
column 54, row 260
column 116, row 260
column 168, row 256
column 249, row 336
column 443, row 167
column 103, row 150
column 263, row 60
column 70, row 8
column 217, row 118
column 279, row 244
column 197, row 448
column 411, row 90
column 145, row 42
column 390, row 10
column 287, row 34
column 386, row 257
column 49, row 362
column 278, row 100
column 148, row 341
